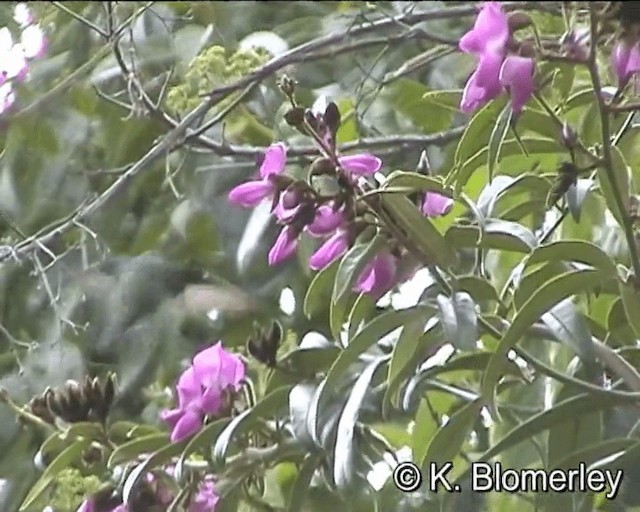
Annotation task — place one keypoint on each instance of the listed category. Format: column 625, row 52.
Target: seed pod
column 295, row 117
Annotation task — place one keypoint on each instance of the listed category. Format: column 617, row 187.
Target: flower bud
column 569, row 137
column 518, row 20
column 287, row 85
column 294, row 117
column 321, row 166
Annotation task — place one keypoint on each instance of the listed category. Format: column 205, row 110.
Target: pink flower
column 284, row 247
column 435, row 204
column 516, row 76
column 495, row 71
column 330, row 250
column 378, row 276
column 288, row 206
column 251, row 193
column 33, row 42
column 490, row 32
column 206, row 498
column 626, row 61
column 326, row 220
column 362, row 164
column 202, row 390
column 22, row 15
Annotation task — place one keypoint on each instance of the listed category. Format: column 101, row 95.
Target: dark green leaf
column 450, row 437
column 570, row 327
column 498, row 134
column 343, row 454
column 320, row 289
column 576, row 195
column 549, row 294
column 133, row 449
column 266, row 407
column 459, row 320
column 301, row 486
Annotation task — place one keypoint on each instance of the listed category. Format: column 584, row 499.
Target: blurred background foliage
column 164, row 265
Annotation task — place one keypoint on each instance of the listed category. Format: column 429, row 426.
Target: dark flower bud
column 321, row 166
column 287, row 86
column 569, row 137
column 424, row 166
column 527, row 49
column 265, row 343
column 294, row 117
column 38, row 407
column 518, row 20
column 332, row 118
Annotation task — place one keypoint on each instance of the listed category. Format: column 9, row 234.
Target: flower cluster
column 14, row 57
column 204, row 389
column 502, row 63
column 205, row 498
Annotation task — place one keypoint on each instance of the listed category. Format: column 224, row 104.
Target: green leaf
column 64, row 460
column 301, row 486
column 543, row 299
column 156, row 459
column 459, row 320
column 480, row 289
column 574, row 250
column 449, row 438
column 496, row 234
column 595, row 452
column 420, row 231
column 631, row 303
column 239, row 425
column 498, row 134
column 343, row 452
column 409, row 349
column 413, row 181
column 475, row 136
column 620, row 183
column 571, row 328
column 368, row 336
column 510, row 147
column 363, row 309
column 201, row 440
column 576, row 195
column 131, row 450
column 320, row 290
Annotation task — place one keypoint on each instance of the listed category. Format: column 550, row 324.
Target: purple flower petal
column 251, row 193
column 87, row 505
column 435, row 204
column 483, row 85
column 329, row 251
column 188, row 388
column 284, row 246
column 362, row 164
column 288, row 206
column 626, row 61
column 206, row 498
column 378, row 276
column 325, row 221
column 275, row 158
column 516, row 75
column 187, row 425
column 212, row 400
column 489, row 33
column 171, row 416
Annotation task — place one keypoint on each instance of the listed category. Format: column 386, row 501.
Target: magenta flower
column 516, row 76
column 251, row 193
column 206, row 498
column 362, row 164
column 284, row 247
column 484, row 84
column 202, row 390
column 289, row 205
column 434, row 204
column 626, row 61
column 326, row 221
column 334, row 247
column 495, row 70
column 378, row 276
column 489, row 34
